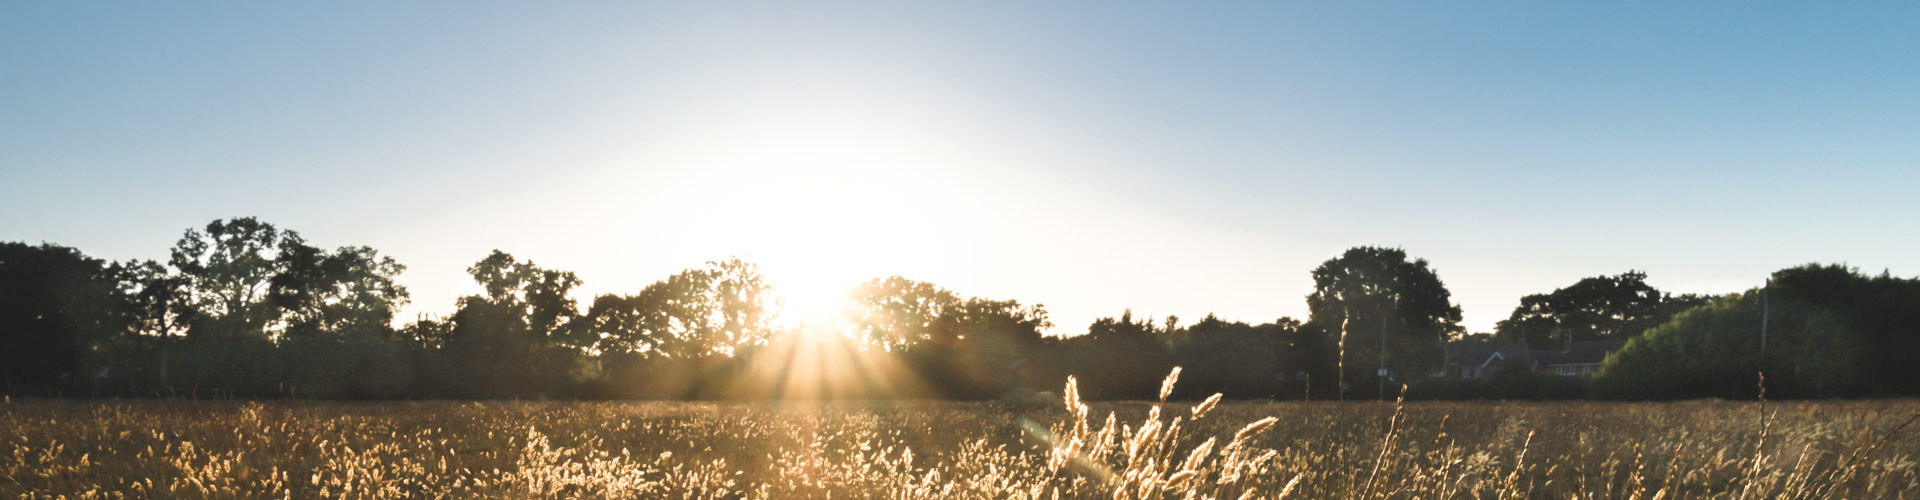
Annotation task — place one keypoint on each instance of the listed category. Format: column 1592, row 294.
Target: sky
column 1171, row 159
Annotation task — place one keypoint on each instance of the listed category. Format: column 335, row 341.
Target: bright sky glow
column 1173, row 159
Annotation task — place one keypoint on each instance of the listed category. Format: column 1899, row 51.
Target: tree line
column 243, row 308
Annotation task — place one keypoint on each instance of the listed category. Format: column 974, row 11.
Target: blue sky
column 1172, row 159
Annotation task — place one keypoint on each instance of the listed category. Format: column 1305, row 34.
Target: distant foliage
column 1830, row 332
column 55, row 305
column 242, row 307
column 1121, row 358
column 1882, row 312
column 1597, row 308
column 1367, row 297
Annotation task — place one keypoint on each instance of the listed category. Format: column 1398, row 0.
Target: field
column 305, row 449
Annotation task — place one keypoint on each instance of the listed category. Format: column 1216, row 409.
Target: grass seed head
column 1166, row 386
column 1206, row 406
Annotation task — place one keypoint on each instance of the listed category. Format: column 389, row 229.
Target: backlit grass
column 1232, row 450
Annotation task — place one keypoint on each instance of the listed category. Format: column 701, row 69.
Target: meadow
column 185, row 448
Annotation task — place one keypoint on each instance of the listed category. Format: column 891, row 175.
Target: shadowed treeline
column 242, row 308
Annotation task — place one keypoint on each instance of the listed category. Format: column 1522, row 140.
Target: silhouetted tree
column 349, row 292
column 716, row 310
column 967, row 348
column 977, row 346
column 1829, row 332
column 896, row 312
column 1883, row 311
column 516, row 337
column 744, row 300
column 160, row 307
column 1597, row 308
column 684, row 336
column 1368, row 289
column 1119, row 358
column 1714, row 351
column 55, row 302
column 1231, row 358
column 230, row 268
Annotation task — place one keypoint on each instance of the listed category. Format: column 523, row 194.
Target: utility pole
column 1765, row 308
column 1383, row 358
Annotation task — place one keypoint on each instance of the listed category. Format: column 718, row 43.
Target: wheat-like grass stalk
column 1641, row 451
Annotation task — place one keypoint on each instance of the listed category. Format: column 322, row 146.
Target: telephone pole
column 1383, row 359
column 1766, row 304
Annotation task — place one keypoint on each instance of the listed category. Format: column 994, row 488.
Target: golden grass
column 1128, row 450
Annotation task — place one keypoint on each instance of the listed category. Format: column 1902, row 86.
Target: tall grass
column 1126, row 450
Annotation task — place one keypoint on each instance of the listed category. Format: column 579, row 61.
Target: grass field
column 1236, row 450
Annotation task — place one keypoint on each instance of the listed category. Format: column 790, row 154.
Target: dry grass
column 1212, row 449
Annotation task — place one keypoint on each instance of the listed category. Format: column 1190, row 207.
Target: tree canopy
column 1597, row 308
column 55, row 302
column 1828, row 331
column 244, row 307
column 1369, row 296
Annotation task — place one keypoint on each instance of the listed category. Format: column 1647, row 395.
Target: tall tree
column 1883, row 311
column 231, row 267
column 968, row 348
column 715, row 310
column 160, row 306
column 680, row 315
column 745, row 303
column 896, row 312
column 535, row 296
column 516, row 337
column 1379, row 296
column 350, row 292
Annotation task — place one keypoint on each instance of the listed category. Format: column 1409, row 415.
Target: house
column 1477, row 360
column 1575, row 359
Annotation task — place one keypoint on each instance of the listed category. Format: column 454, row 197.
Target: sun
column 815, row 311
column 812, row 292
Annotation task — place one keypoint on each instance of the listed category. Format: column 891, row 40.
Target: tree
column 896, row 312
column 715, row 310
column 516, row 338
column 968, row 348
column 230, row 268
column 899, row 313
column 349, row 292
column 537, row 296
column 1714, row 351
column 55, row 302
column 744, row 300
column 1883, row 311
column 1597, row 308
column 1232, row 358
column 160, row 305
column 1371, row 292
column 1120, row 358
column 627, row 323
column 679, row 315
